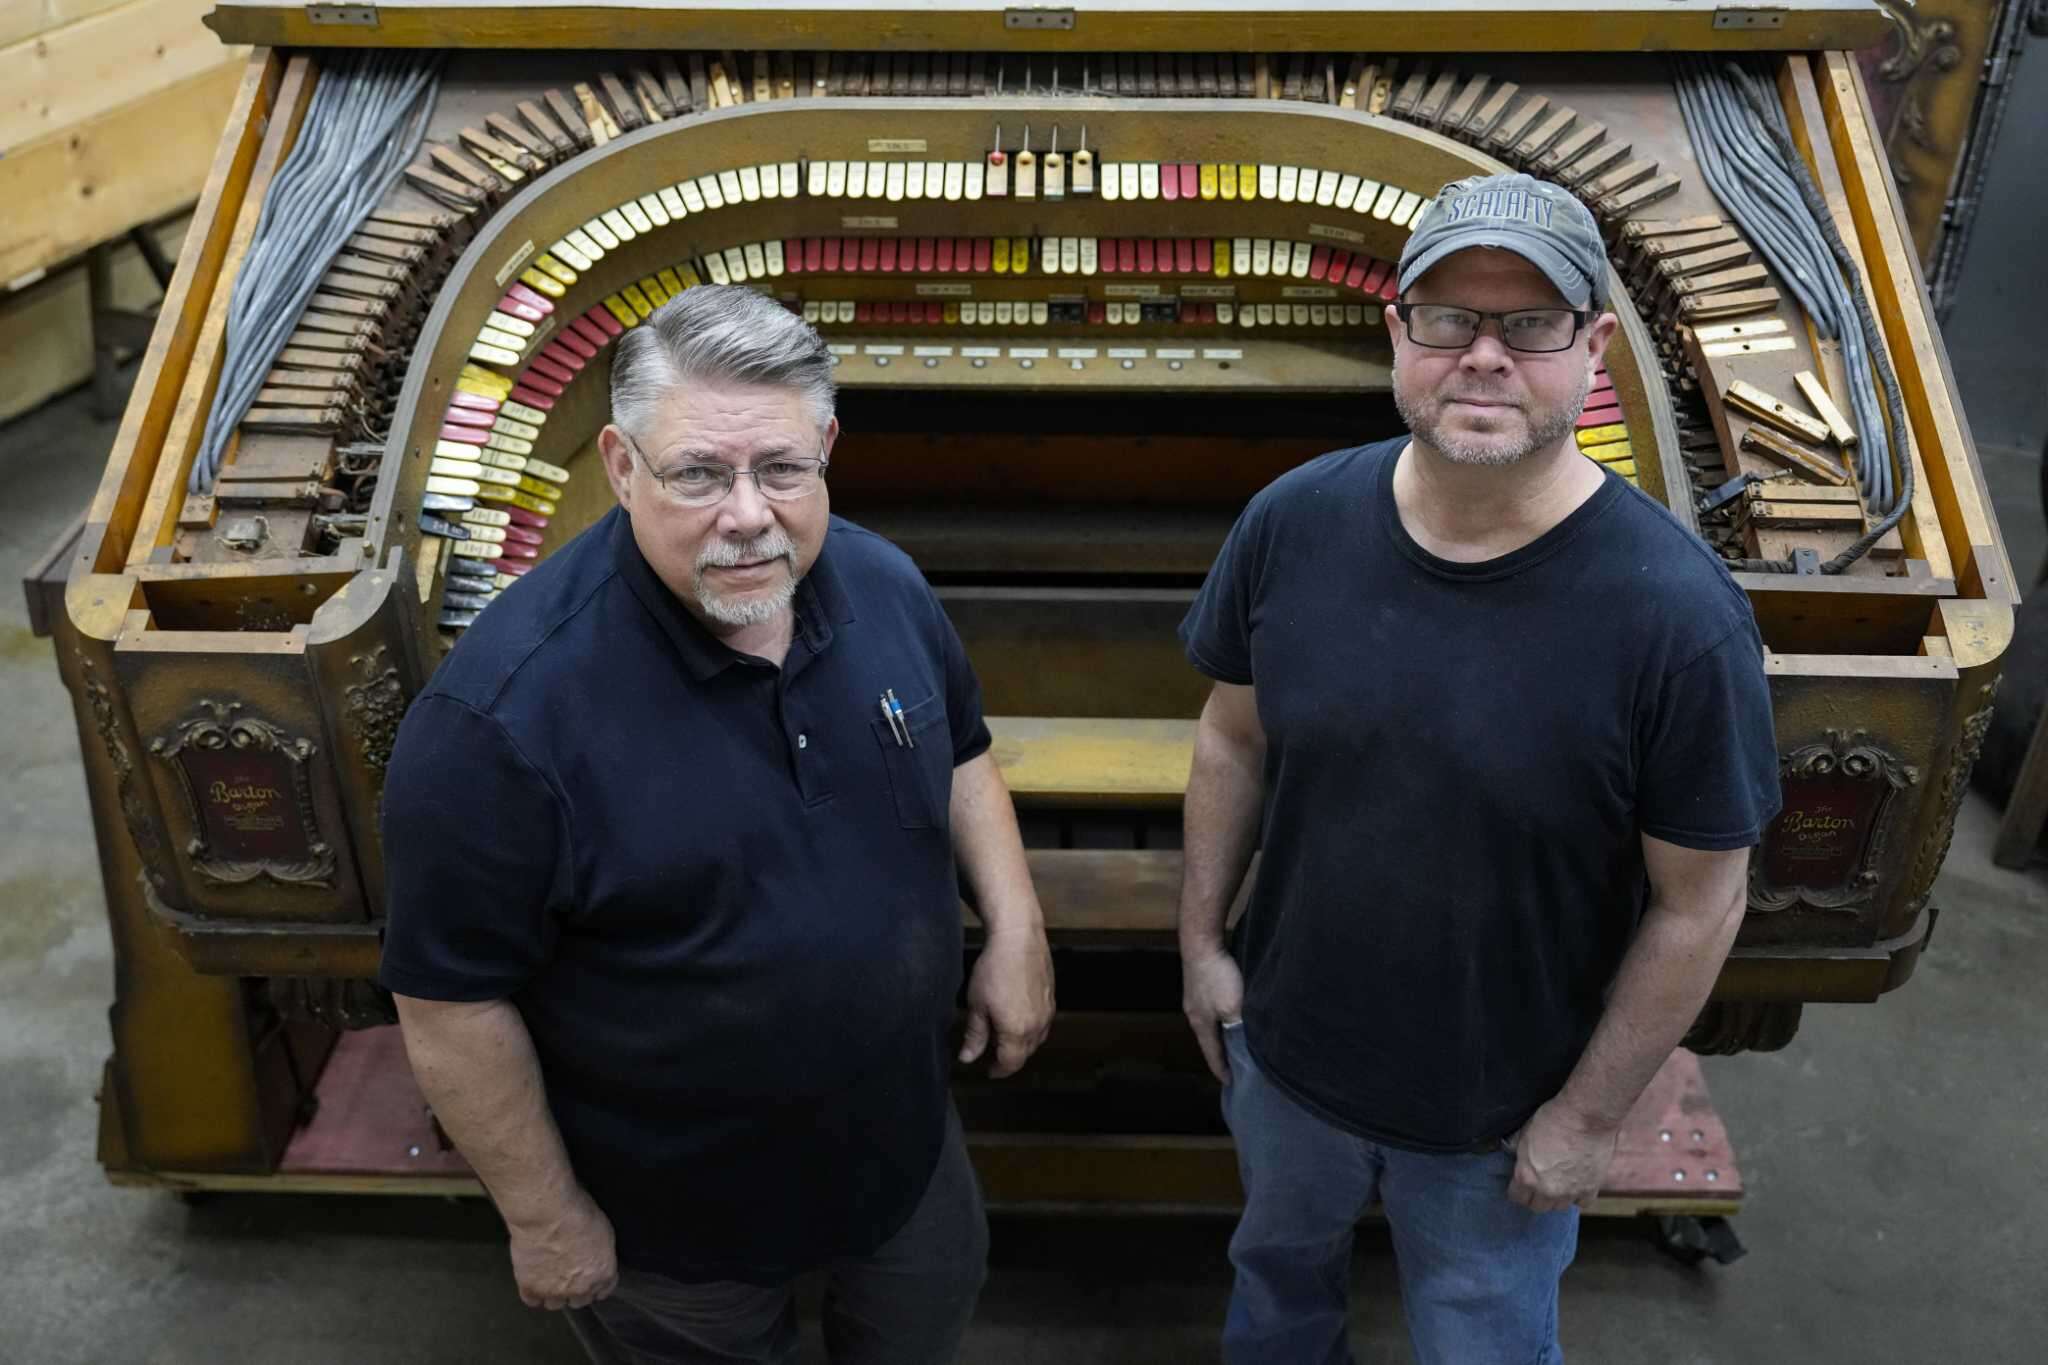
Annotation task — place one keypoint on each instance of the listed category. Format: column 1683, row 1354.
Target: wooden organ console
column 1093, row 274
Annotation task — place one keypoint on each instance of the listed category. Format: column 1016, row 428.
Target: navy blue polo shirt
column 1462, row 760
column 720, row 893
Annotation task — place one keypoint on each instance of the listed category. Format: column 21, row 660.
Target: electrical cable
column 1743, row 143
column 362, row 127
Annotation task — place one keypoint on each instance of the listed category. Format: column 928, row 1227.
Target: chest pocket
column 920, row 775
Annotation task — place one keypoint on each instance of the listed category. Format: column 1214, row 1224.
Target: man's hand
column 1011, row 991
column 1212, row 995
column 1561, row 1159
column 567, row 1261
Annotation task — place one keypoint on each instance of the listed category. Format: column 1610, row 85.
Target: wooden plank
column 130, row 165
column 21, row 19
column 156, row 522
column 1135, row 26
column 75, row 73
column 1127, row 896
column 110, row 521
column 1073, row 761
column 46, row 329
column 2026, row 809
column 1899, row 298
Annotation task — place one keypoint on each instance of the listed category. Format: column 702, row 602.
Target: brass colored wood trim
column 1900, row 301
column 110, row 520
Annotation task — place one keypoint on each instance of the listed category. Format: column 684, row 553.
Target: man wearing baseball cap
column 1500, row 727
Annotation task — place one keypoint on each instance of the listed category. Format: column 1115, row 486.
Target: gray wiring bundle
column 1745, row 151
column 362, row 127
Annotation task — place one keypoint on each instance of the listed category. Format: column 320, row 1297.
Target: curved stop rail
column 603, row 239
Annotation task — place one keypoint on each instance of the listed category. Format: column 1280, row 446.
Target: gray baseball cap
column 1532, row 218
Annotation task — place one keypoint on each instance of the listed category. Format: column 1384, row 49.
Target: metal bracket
column 358, row 16
column 1038, row 17
column 1806, row 561
column 1749, row 18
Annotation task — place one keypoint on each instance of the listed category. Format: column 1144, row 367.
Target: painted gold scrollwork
column 227, row 765
column 1926, row 48
column 1954, row 782
column 135, row 810
column 1825, row 851
column 375, row 704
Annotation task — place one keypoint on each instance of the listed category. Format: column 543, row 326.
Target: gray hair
column 718, row 333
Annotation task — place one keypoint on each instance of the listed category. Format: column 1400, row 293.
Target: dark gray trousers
column 907, row 1303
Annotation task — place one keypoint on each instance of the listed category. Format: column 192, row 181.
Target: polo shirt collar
column 821, row 602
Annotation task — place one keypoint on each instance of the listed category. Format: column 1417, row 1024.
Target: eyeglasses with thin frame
column 1450, row 327
column 784, row 478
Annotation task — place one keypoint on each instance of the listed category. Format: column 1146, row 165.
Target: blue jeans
column 1478, row 1272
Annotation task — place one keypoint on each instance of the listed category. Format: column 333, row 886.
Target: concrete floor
column 1896, row 1155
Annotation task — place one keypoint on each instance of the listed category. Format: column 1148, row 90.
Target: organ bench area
column 1093, row 276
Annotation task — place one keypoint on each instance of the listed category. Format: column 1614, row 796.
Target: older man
column 1504, row 726
column 674, row 918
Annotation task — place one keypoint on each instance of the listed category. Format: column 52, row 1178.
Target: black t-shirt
column 720, row 893
column 1461, row 762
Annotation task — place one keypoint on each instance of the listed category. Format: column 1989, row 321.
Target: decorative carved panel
column 250, row 795
column 1824, row 849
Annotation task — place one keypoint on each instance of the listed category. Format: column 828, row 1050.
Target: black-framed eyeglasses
column 1449, row 327
column 785, row 478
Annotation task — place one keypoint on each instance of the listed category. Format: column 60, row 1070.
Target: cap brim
column 1577, row 290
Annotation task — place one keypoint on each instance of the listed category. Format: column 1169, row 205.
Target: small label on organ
column 878, row 145
column 883, row 350
column 982, row 352
column 1128, row 353
column 932, row 351
column 1220, row 353
column 1175, row 353
column 1307, row 291
column 1212, row 291
column 1077, row 353
column 513, row 262
column 842, row 348
column 1027, row 353
column 945, row 291
column 1130, row 291
column 1335, row 233
column 856, row 223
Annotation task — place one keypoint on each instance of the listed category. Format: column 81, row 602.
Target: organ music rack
column 1061, row 446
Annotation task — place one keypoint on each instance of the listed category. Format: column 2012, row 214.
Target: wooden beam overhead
column 1126, row 26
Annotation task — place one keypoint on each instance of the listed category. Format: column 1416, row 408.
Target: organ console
column 1092, row 275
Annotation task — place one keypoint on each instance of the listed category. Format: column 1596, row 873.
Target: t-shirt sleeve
column 1710, row 766
column 1217, row 631
column 475, row 858
column 970, row 733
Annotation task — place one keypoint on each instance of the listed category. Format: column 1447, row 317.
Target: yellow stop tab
column 1599, row 436
column 546, row 284
column 549, row 265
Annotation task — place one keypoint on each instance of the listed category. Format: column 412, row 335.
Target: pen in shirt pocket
column 889, row 719
column 902, row 721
